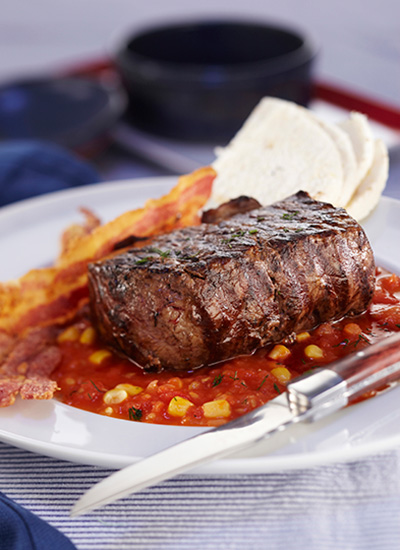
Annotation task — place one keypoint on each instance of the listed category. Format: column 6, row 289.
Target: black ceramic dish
column 200, row 81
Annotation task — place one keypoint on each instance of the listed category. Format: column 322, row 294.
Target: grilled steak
column 207, row 293
column 241, row 205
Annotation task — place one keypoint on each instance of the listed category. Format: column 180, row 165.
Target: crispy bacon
column 9, row 388
column 32, row 306
column 38, row 387
column 49, row 295
column 28, row 366
column 75, row 232
column 6, row 345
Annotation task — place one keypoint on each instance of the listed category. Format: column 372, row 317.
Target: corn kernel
column 114, row 396
column 252, row 402
column 217, row 409
column 279, row 352
column 178, row 406
column 145, row 397
column 129, row 388
column 152, row 387
column 157, row 407
column 68, row 335
column 88, row 336
column 282, row 374
column 176, row 382
column 108, row 410
column 313, row 352
column 99, row 356
column 194, row 395
column 352, row 329
column 302, row 336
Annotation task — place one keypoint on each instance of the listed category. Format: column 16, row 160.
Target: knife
column 310, row 397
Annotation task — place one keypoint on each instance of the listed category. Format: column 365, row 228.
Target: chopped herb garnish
column 90, row 397
column 143, row 260
column 193, row 256
column 276, row 388
column 253, row 231
column 342, row 343
column 290, row 215
column 361, row 337
column 162, row 253
column 217, row 380
column 235, row 376
column 260, row 218
column 398, row 326
column 135, row 414
column 100, row 391
column 262, row 383
column 232, row 237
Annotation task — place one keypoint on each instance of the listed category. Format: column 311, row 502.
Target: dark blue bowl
column 69, row 111
column 199, row 81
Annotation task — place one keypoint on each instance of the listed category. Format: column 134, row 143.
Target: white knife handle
column 371, row 368
column 325, row 390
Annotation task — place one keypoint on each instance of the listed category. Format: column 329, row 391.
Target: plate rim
column 264, row 464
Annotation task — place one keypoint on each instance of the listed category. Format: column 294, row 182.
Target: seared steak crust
column 241, row 205
column 211, row 292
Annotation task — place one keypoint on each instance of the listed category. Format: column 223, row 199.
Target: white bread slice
column 349, row 161
column 368, row 193
column 279, row 150
column 360, row 134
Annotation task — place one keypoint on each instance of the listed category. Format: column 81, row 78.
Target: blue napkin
column 30, row 168
column 22, row 530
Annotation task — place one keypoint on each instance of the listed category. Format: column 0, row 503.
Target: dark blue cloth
column 22, row 530
column 30, row 168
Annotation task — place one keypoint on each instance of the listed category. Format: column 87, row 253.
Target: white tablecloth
column 352, row 506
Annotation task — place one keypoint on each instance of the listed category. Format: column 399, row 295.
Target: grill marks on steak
column 207, row 293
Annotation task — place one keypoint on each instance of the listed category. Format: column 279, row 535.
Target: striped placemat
column 352, row 506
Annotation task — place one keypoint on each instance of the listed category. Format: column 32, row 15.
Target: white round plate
column 29, row 236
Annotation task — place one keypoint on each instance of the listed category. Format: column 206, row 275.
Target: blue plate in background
column 68, row 111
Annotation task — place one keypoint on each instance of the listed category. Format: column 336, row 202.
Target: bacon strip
column 28, row 367
column 49, row 295
column 75, row 232
column 44, row 298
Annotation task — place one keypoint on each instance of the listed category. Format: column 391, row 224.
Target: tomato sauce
column 95, row 379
